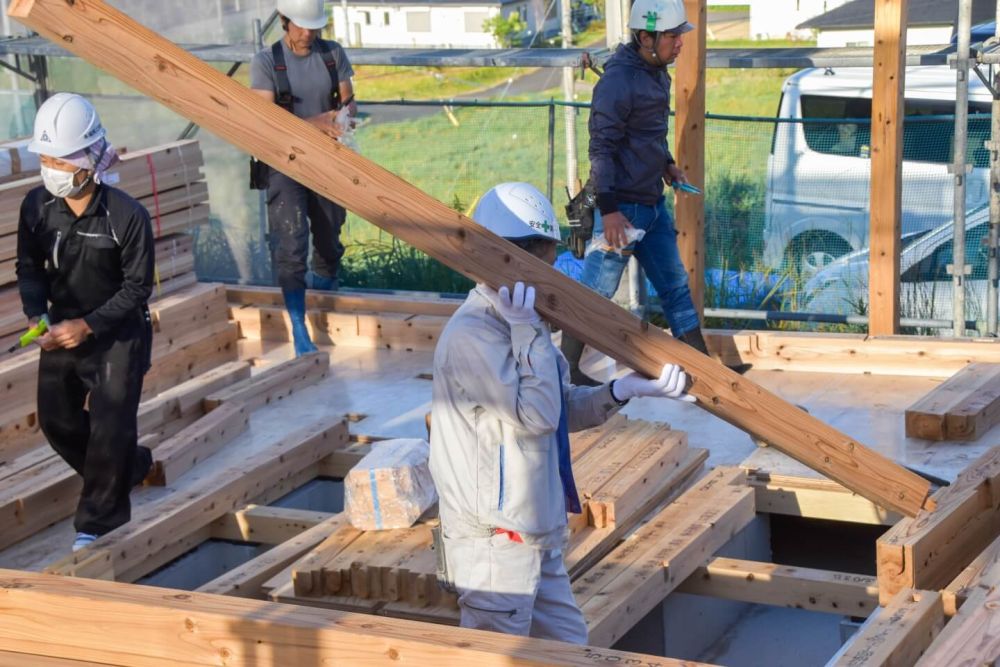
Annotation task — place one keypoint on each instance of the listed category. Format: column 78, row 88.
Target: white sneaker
column 83, row 540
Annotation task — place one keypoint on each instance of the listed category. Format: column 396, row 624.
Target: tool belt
column 580, row 214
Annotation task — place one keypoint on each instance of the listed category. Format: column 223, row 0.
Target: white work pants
column 509, row 587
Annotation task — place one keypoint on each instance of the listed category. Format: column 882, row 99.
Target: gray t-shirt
column 307, row 76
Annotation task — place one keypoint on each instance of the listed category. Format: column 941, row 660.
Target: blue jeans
column 657, row 254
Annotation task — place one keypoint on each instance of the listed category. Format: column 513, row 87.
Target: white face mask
column 62, row 183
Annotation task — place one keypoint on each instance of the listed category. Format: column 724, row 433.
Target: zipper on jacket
column 500, row 500
column 506, row 612
column 55, row 249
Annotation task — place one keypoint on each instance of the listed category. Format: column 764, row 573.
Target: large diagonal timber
column 112, row 41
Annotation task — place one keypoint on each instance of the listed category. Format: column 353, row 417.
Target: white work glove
column 519, row 308
column 670, row 384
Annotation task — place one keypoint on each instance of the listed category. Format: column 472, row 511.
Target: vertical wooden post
column 689, row 130
column 889, row 77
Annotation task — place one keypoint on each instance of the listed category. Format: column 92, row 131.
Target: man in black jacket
column 630, row 161
column 85, row 263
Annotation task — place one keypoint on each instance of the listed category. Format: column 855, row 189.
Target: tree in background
column 504, row 29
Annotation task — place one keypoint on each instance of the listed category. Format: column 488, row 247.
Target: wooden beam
column 816, row 499
column 140, row 626
column 160, row 525
column 689, row 130
column 266, row 525
column 897, row 635
column 889, row 77
column 246, row 580
column 961, row 587
column 784, row 586
column 107, row 38
column 274, row 383
column 964, row 407
column 183, row 451
column 971, row 637
column 929, row 551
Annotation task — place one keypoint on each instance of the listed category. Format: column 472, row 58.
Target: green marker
column 33, row 333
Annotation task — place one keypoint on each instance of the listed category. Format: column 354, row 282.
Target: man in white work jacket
column 502, row 411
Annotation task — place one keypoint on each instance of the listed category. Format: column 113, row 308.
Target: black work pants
column 292, row 211
column 100, row 443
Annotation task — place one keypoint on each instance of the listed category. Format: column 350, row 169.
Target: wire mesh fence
column 786, row 202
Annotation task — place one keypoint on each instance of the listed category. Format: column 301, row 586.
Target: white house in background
column 928, row 22
column 779, row 19
column 436, row 23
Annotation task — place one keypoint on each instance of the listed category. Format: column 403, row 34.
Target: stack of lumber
column 625, row 469
column 413, row 322
column 964, row 407
column 166, row 179
column 194, row 356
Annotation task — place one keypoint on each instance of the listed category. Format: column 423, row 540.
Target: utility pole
column 569, row 112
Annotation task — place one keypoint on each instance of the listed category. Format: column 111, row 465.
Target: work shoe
column 695, row 339
column 572, row 349
column 316, row 281
column 295, row 304
column 83, row 540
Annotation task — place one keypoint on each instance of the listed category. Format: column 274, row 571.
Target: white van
column 818, row 174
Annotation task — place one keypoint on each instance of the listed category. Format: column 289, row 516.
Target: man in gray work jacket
column 311, row 78
column 502, row 411
column 629, row 163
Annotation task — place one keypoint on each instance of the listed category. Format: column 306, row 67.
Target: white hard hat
column 309, row 14
column 659, row 15
column 65, row 123
column 517, row 211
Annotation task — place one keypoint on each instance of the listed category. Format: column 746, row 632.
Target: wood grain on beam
column 140, row 626
column 887, row 171
column 110, row 40
column 689, row 129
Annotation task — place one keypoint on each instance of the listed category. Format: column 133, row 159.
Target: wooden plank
column 308, row 576
column 815, row 499
column 247, row 579
column 274, row 383
column 856, row 353
column 928, row 552
column 266, row 525
column 192, row 360
column 110, row 40
column 183, row 451
column 963, row 407
column 689, row 132
column 159, row 525
column 589, row 545
column 888, row 77
column 970, row 638
column 897, row 635
column 969, row 579
column 784, row 586
column 616, row 593
column 581, row 441
column 413, row 303
column 625, row 492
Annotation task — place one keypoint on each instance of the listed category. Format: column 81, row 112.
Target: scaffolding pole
column 569, row 112
column 960, row 167
column 993, row 270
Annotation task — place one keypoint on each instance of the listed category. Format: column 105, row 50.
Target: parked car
column 818, row 174
column 925, row 282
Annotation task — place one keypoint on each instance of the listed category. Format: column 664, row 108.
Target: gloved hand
column 519, row 308
column 671, row 384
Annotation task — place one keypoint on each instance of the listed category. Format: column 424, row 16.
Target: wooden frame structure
column 112, row 41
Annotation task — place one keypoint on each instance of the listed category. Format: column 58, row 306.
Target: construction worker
column 502, row 410
column 85, row 262
column 630, row 161
column 311, row 78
